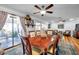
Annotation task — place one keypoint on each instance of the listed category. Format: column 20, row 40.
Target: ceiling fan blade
column 51, row 5
column 37, row 7
column 49, row 12
column 36, row 12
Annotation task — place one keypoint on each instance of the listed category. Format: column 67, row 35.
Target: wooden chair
column 28, row 49
column 49, row 32
column 43, row 33
column 38, row 33
column 26, row 46
column 53, row 47
column 32, row 33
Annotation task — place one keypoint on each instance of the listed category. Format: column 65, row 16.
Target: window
column 38, row 26
column 9, row 34
column 44, row 26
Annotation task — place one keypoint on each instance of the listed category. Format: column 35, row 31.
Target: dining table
column 41, row 42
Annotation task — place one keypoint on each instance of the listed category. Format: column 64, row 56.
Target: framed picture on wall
column 60, row 26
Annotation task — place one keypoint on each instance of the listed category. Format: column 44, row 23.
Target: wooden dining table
column 41, row 42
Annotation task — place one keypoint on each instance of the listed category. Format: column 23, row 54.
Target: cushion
column 49, row 32
column 32, row 34
column 43, row 34
column 38, row 33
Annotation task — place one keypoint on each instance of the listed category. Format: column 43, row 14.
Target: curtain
column 22, row 20
column 3, row 16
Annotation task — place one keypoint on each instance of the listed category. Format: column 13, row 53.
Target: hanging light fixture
column 43, row 12
column 29, row 21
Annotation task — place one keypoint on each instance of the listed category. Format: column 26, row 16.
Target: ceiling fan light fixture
column 43, row 12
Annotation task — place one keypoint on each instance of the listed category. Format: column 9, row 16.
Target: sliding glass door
column 9, row 34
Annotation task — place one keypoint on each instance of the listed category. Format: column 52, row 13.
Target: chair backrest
column 43, row 33
column 49, row 32
column 26, row 45
column 57, row 40
column 55, row 43
column 32, row 33
column 38, row 33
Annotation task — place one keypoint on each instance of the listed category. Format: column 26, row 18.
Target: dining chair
column 49, row 32
column 43, row 34
column 32, row 33
column 38, row 33
column 28, row 49
column 53, row 46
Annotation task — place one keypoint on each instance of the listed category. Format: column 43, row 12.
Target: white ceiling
column 59, row 10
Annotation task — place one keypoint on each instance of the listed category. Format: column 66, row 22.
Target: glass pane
column 38, row 26
column 44, row 26
column 17, row 30
column 5, row 34
column 9, row 33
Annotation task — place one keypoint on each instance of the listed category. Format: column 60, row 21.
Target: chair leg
column 44, row 52
column 50, row 53
column 23, row 52
column 41, row 53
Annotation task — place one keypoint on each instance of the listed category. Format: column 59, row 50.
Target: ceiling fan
column 43, row 9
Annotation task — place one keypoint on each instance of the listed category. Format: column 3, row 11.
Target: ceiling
column 65, row 11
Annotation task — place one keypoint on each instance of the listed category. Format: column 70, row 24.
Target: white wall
column 67, row 25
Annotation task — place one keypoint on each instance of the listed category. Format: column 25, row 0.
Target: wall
column 67, row 25
column 12, row 11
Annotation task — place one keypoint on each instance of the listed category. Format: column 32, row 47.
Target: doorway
column 9, row 33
